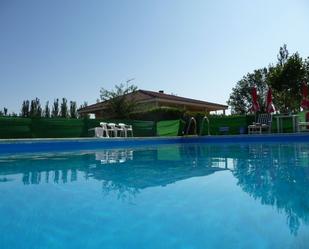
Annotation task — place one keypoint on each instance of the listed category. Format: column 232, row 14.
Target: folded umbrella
column 255, row 103
column 269, row 101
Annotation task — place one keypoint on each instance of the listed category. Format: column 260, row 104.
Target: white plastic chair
column 98, row 132
column 122, row 130
column 129, row 128
column 125, row 129
column 113, row 129
column 105, row 129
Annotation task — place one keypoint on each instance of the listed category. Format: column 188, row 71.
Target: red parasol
column 269, row 101
column 304, row 102
column 255, row 103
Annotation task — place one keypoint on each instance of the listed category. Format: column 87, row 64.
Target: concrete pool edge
column 51, row 144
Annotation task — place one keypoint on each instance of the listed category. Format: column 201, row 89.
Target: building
column 147, row 100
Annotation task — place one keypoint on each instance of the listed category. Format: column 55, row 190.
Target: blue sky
column 192, row 48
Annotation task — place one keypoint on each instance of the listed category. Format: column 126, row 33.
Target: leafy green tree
column 47, row 110
column 240, row 99
column 283, row 55
column 285, row 79
column 306, row 66
column 73, row 109
column 55, row 109
column 119, row 105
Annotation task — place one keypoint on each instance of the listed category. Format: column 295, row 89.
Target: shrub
column 158, row 114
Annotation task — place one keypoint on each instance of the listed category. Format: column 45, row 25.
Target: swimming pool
column 167, row 195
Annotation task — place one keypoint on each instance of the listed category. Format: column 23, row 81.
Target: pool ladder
column 202, row 125
column 192, row 121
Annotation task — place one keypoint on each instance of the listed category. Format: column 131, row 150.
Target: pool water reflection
column 176, row 196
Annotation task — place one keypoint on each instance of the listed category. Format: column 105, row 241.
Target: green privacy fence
column 51, row 128
column 225, row 125
column 233, row 125
column 170, row 127
column 15, row 127
column 11, row 127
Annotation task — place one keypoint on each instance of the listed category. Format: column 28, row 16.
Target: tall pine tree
column 55, row 109
column 73, row 109
column 64, row 108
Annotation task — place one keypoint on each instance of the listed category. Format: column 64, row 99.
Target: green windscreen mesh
column 56, row 128
column 233, row 124
column 301, row 116
column 169, row 128
column 143, row 128
column 16, row 127
column 11, row 127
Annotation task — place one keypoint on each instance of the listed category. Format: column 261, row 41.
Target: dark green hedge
column 158, row 114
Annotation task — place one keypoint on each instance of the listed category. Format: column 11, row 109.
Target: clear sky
column 192, row 48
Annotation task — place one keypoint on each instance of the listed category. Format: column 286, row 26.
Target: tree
column 64, row 108
column 25, row 109
column 35, row 109
column 85, row 104
column 283, row 55
column 55, row 109
column 4, row 112
column 73, row 109
column 240, row 99
column 285, row 79
column 306, row 65
column 47, row 110
column 118, row 103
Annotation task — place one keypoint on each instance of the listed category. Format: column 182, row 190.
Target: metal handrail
column 189, row 126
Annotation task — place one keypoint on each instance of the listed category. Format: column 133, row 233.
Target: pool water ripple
column 171, row 196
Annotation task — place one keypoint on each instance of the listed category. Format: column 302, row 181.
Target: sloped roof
column 145, row 95
column 178, row 98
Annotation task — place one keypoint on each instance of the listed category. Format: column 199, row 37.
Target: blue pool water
column 170, row 196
